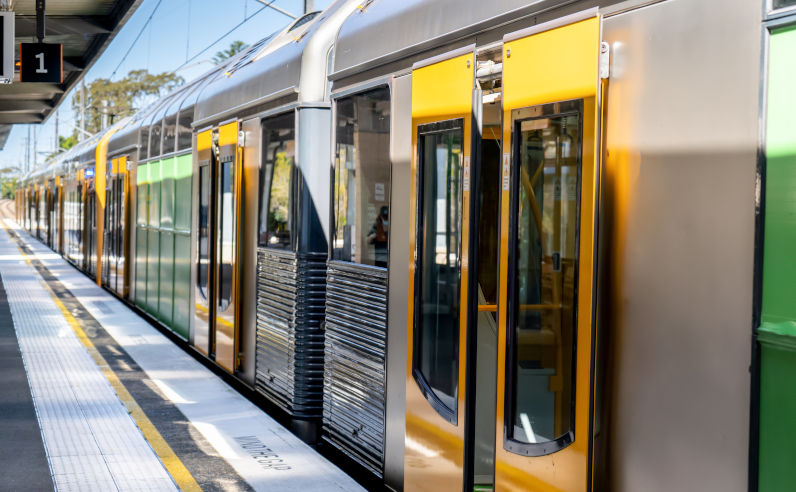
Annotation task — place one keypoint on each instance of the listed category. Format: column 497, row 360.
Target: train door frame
column 202, row 287
column 214, row 146
column 229, row 152
column 107, row 227
column 41, row 211
column 116, row 242
column 569, row 85
column 59, row 216
column 90, row 223
column 436, row 459
column 50, row 205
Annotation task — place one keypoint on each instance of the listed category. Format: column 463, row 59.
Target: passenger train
column 503, row 245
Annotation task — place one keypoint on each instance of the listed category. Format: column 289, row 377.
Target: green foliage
column 235, row 47
column 8, row 183
column 64, row 143
column 7, row 187
column 123, row 97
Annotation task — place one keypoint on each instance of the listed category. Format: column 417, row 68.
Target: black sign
column 40, row 62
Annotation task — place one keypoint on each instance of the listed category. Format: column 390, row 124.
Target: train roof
column 289, row 67
column 385, row 31
column 180, row 100
column 86, row 151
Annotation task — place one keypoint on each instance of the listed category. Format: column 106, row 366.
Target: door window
column 545, row 261
column 226, row 239
column 362, row 178
column 203, row 256
column 276, row 182
column 436, row 335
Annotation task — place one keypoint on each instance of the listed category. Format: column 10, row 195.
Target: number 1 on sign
column 41, row 68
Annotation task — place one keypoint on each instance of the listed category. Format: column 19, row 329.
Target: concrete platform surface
column 120, row 407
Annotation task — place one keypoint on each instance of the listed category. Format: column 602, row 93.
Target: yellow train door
column 228, row 173
column 215, row 294
column 442, row 90
column 204, row 248
column 546, row 336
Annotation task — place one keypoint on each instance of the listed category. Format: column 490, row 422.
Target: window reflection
column 544, row 298
column 439, row 231
column 169, row 133
column 276, row 182
column 362, row 178
column 202, row 278
column 781, row 4
column 226, row 238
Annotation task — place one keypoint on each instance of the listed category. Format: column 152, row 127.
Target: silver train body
column 314, row 317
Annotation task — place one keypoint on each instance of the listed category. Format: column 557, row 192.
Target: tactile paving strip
column 92, row 443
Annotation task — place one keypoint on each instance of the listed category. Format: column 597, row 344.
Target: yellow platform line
column 174, row 466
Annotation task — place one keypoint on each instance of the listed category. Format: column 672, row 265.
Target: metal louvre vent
column 290, row 303
column 355, row 366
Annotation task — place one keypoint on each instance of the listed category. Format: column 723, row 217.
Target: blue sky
column 178, row 31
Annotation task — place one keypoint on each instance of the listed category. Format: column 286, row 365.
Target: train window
column 303, row 20
column 781, row 4
column 153, row 197
column 167, row 197
column 541, row 387
column 142, row 198
column 184, row 137
column 203, row 260
column 226, row 239
column 362, row 178
column 154, row 139
column 169, row 133
column 276, row 182
column 143, row 148
column 436, row 335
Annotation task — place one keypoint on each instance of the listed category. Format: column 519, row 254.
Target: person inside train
column 378, row 236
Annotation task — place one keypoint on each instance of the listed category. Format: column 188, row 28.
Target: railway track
column 7, row 208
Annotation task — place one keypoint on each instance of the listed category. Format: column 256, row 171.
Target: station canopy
column 85, row 28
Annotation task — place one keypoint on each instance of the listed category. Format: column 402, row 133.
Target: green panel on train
column 141, row 234
column 163, row 269
column 153, row 246
column 182, row 243
column 777, row 333
column 166, row 292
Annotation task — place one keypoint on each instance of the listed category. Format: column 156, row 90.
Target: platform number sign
column 41, row 62
column 7, row 48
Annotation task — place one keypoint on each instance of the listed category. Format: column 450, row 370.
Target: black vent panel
column 355, row 365
column 290, row 306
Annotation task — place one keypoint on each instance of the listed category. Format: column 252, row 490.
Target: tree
column 67, row 143
column 8, row 182
column 235, row 47
column 64, row 143
column 123, row 97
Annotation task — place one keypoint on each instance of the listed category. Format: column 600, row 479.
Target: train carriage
column 513, row 127
column 472, row 246
column 262, row 175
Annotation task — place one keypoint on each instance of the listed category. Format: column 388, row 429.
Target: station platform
column 95, row 398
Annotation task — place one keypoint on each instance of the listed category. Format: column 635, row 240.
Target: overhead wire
column 146, row 24
column 245, row 20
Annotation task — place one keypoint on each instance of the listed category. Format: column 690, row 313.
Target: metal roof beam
column 26, row 106
column 23, row 118
column 30, row 88
column 64, row 25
